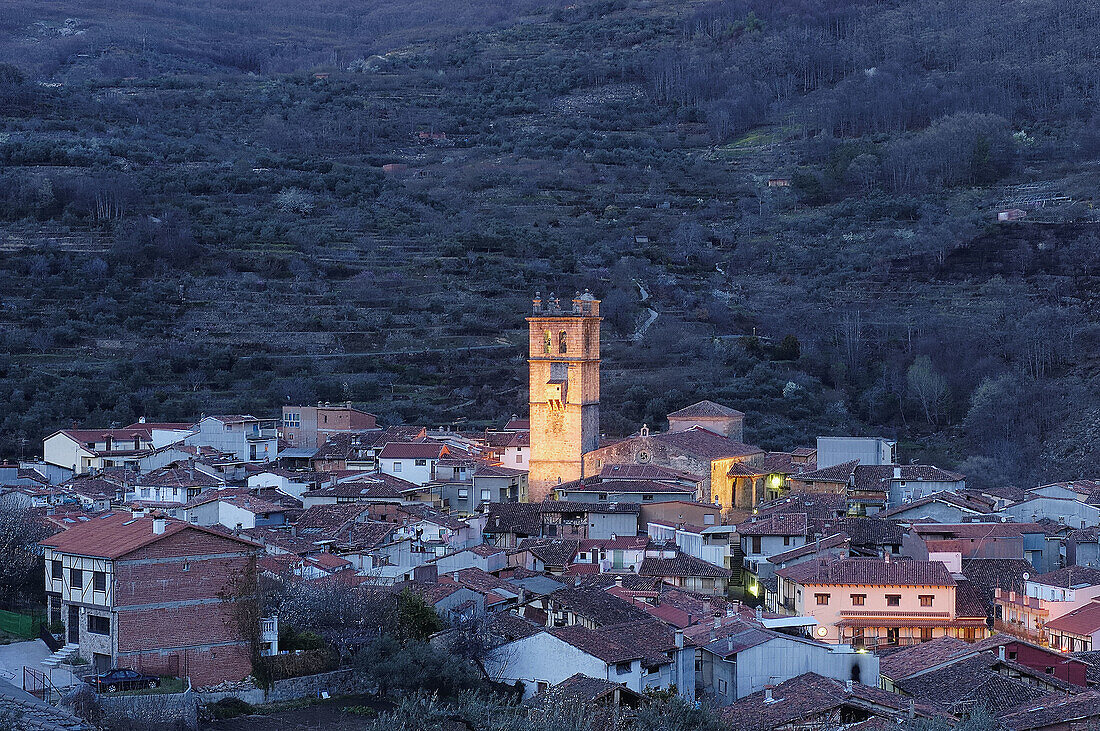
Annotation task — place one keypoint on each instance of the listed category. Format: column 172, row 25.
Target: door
column 617, row 559
column 74, row 625
column 101, row 662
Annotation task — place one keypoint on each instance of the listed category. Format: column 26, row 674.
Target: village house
column 414, row 462
column 151, row 594
column 290, row 482
column 681, row 570
column 235, row 509
column 176, row 483
column 746, row 658
column 506, row 524
column 312, row 426
column 1076, row 631
column 90, row 450
column 714, row 544
column 600, row 490
column 868, row 602
column 247, row 438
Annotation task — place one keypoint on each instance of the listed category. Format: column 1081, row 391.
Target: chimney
column 706, row 606
column 759, row 613
column 729, row 644
column 679, row 639
column 848, row 686
column 768, row 694
column 159, row 524
column 897, row 472
column 717, row 622
column 912, row 708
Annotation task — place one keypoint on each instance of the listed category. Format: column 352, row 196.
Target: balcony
column 269, row 636
column 263, row 434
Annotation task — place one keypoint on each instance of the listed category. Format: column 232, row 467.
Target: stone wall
column 337, row 682
column 166, row 710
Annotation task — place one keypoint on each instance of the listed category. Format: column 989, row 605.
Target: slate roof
column 1091, row 658
column 430, row 515
column 682, row 565
column 705, row 409
column 779, row 524
column 868, row 572
column 520, row 518
column 968, row 503
column 811, row 695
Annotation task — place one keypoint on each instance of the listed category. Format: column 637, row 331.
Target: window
column 926, row 600
column 721, row 686
column 893, row 600
column 622, row 668
column 562, row 342
column 646, row 498
column 601, row 496
column 786, row 540
column 421, row 462
column 858, row 600
column 486, row 496
column 76, row 578
column 893, row 635
column 55, row 569
column 519, row 459
column 1049, row 671
column 396, row 466
column 463, row 494
column 99, row 625
column 925, row 634
column 822, row 599
column 145, row 492
column 756, row 544
column 99, row 581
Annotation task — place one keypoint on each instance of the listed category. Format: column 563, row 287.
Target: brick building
column 150, row 594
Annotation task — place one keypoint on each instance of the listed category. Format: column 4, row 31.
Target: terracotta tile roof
column 491, row 470
column 811, row 695
column 705, row 445
column 970, row 601
column 596, row 605
column 987, row 574
column 579, row 688
column 620, row 543
column 783, row 463
column 552, row 552
column 115, row 534
column 372, row 485
column 682, row 565
column 329, row 517
column 520, row 518
column 1091, row 658
column 816, row 506
column 963, row 501
column 868, row 572
column 779, row 524
column 1055, row 711
column 837, row 540
column 413, row 450
column 178, row 476
column 906, row 661
column 570, row 506
column 878, row 477
column 430, row 515
column 508, row 626
column 1082, row 621
column 972, row 531
column 836, row 473
column 21, row 710
column 622, row 486
column 1070, row 577
column 867, row 532
column 974, row 681
column 647, row 472
column 705, row 409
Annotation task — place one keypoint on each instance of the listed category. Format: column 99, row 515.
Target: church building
column 564, row 359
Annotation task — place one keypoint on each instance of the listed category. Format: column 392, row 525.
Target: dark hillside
column 231, row 205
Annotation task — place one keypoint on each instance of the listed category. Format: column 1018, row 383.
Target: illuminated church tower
column 564, row 389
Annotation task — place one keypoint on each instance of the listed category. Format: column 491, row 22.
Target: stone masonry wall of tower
column 564, row 396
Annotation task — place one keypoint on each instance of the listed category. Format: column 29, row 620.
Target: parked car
column 123, row 679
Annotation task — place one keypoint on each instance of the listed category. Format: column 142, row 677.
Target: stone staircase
column 61, row 655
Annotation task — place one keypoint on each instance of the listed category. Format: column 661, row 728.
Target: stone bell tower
column 564, row 347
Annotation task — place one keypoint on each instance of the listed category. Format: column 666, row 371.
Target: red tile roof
column 705, row 409
column 413, row 450
column 868, row 572
column 1083, row 621
column 780, row 524
column 115, row 534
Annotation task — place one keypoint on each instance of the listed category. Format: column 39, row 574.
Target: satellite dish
column 1026, row 576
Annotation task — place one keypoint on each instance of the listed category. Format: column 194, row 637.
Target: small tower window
column 562, row 342
column 548, row 343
